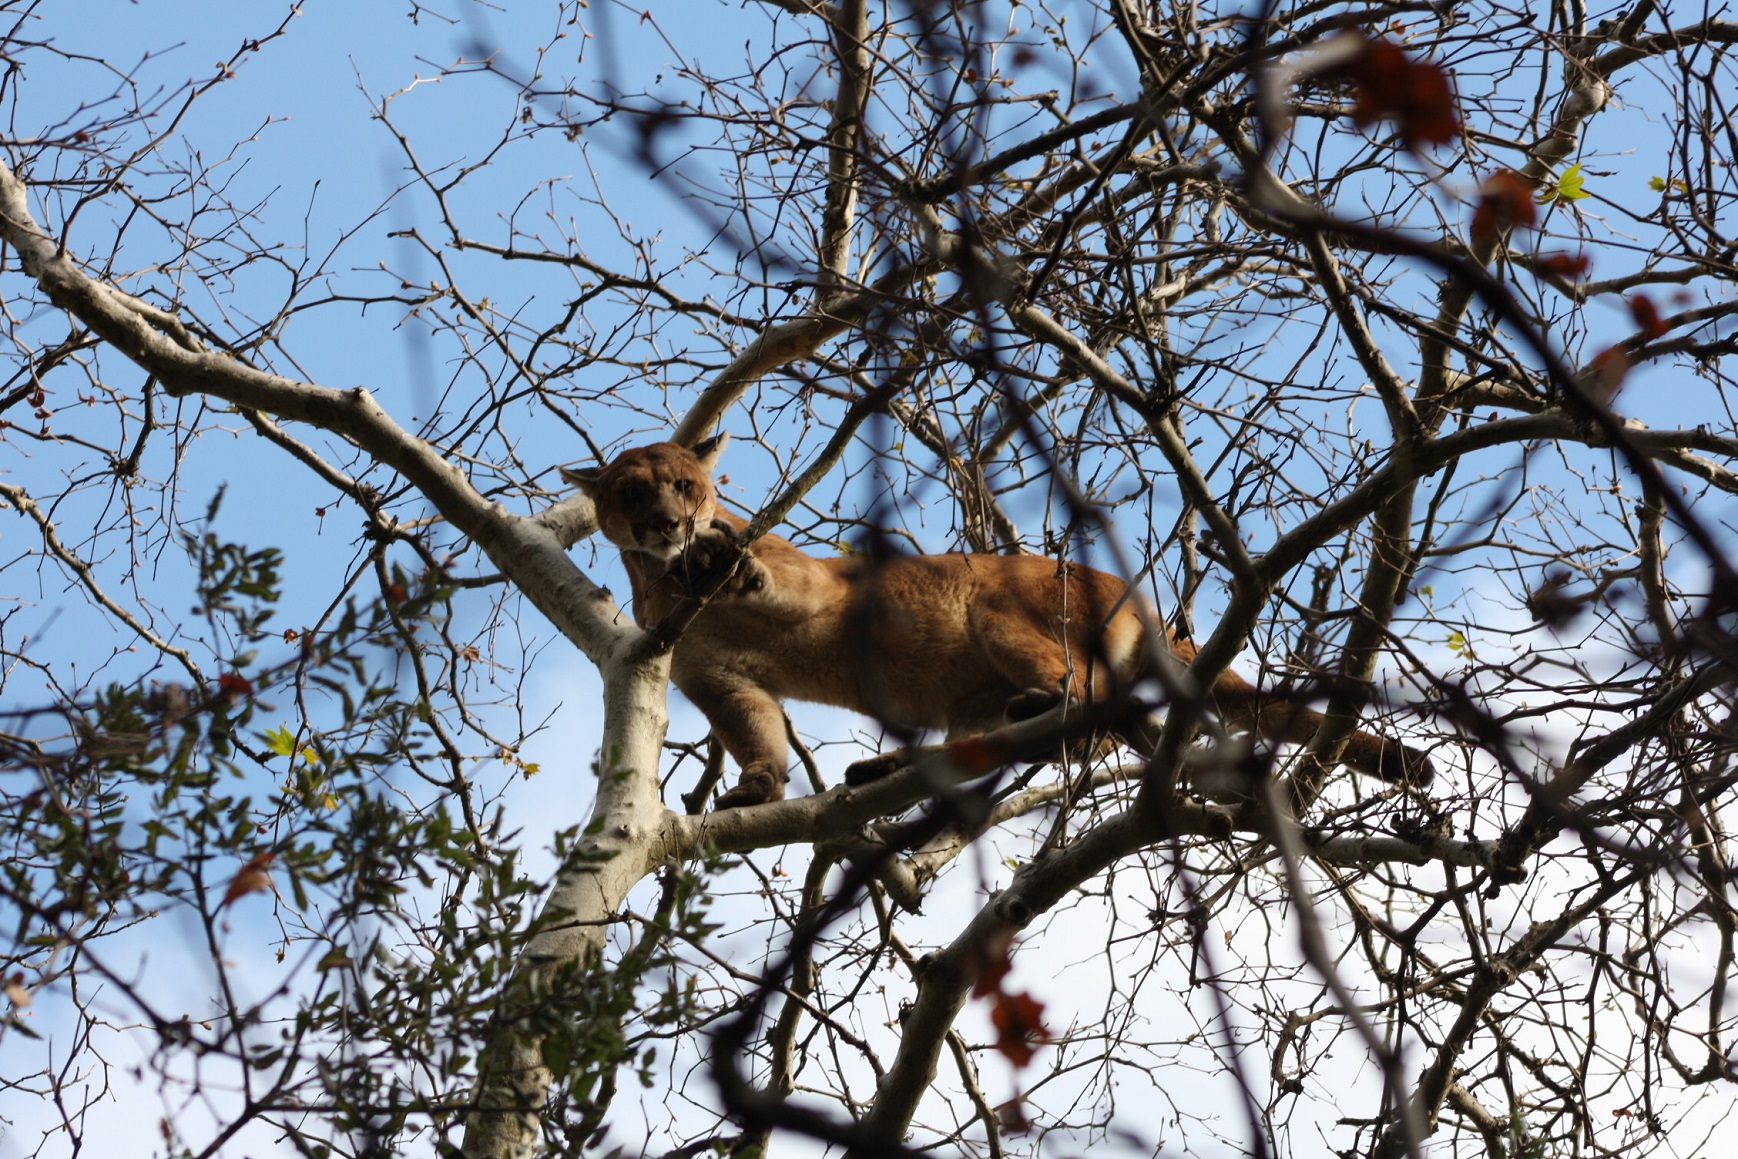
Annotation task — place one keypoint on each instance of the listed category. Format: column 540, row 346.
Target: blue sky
column 315, row 166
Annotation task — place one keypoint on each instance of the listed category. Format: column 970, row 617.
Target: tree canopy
column 1387, row 347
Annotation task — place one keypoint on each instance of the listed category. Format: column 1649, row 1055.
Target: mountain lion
column 920, row 642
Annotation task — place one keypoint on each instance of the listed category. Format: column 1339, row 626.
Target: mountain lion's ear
column 585, row 478
column 708, row 450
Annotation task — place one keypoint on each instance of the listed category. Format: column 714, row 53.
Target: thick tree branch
column 521, row 548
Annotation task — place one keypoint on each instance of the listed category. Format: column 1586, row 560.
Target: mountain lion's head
column 651, row 499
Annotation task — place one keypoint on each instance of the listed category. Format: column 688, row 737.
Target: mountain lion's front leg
column 749, row 723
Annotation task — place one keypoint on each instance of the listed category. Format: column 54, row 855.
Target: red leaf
column 1612, row 364
column 1505, row 203
column 1416, row 94
column 1019, row 1023
column 991, row 963
column 1565, row 265
column 234, row 685
column 974, row 755
column 1646, row 315
column 1012, row 1116
column 250, row 878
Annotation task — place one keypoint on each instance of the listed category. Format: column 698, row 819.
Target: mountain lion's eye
column 683, row 486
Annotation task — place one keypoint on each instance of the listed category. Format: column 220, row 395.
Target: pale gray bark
column 530, row 552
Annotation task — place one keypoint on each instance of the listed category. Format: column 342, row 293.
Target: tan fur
column 919, row 642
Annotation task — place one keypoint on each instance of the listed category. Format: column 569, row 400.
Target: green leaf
column 1657, row 184
column 1565, row 188
column 281, row 740
column 557, row 1054
column 337, row 958
column 13, row 1022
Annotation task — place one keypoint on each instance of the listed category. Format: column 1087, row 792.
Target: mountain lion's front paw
column 752, row 575
column 706, row 547
column 758, row 785
column 708, row 550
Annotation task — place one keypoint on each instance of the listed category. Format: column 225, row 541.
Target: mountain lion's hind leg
column 1042, row 668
